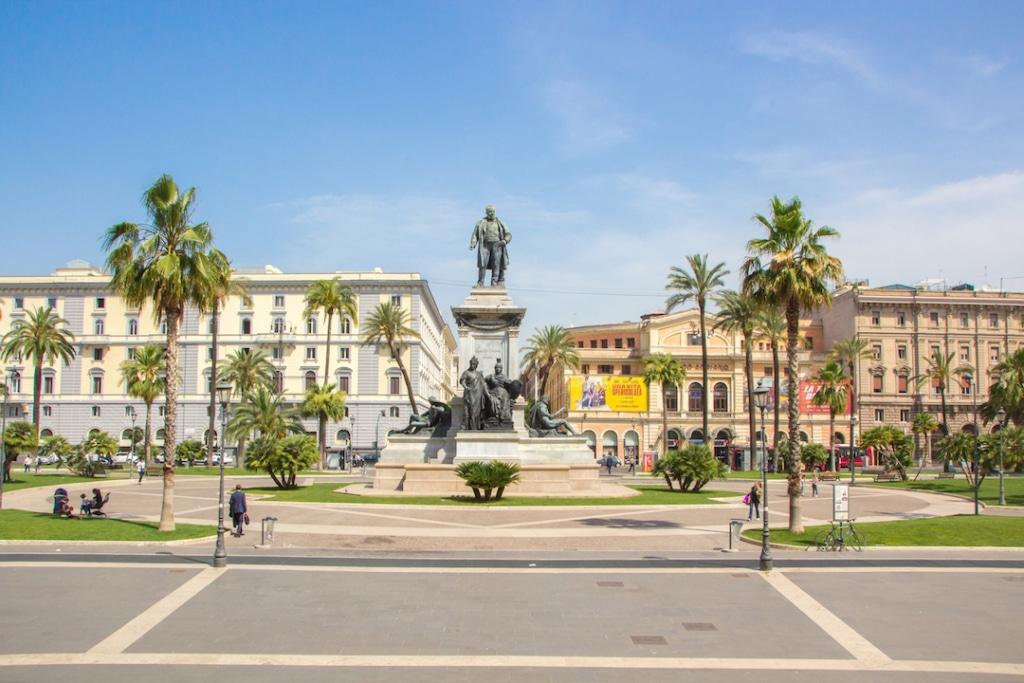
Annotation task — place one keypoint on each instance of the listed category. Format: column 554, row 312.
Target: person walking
column 238, row 509
column 28, row 464
column 140, row 467
column 753, row 499
column 814, row 485
column 632, row 465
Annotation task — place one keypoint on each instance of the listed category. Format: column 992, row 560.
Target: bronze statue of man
column 490, row 238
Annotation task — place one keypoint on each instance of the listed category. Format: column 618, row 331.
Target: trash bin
column 735, row 529
column 267, row 530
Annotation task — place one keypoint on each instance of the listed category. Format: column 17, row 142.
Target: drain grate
column 609, row 584
column 649, row 640
column 740, row 576
column 699, row 626
column 1013, row 578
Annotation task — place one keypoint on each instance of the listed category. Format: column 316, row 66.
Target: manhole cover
column 699, row 626
column 609, row 584
column 648, row 640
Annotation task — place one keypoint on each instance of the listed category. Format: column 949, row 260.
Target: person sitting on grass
column 65, row 509
column 85, row 508
column 98, row 501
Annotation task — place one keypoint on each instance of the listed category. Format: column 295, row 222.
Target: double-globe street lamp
column 220, row 554
column 762, row 400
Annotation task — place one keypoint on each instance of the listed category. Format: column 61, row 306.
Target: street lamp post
column 220, row 554
column 762, row 400
column 134, row 417
column 1001, row 421
column 975, row 466
column 3, row 438
column 853, row 448
column 376, row 435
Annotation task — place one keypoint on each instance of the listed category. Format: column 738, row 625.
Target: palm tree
column 264, row 411
column 697, row 284
column 389, row 325
column 772, row 326
column 145, row 377
column 55, row 445
column 739, row 313
column 222, row 285
column 832, row 393
column 41, row 335
column 665, row 370
column 940, row 373
column 331, row 297
column 164, row 262
column 924, row 424
column 849, row 352
column 790, row 268
column 549, row 345
column 247, row 371
column 325, row 403
column 1007, row 392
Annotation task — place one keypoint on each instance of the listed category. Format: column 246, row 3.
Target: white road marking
column 378, row 661
column 841, row 632
column 121, row 639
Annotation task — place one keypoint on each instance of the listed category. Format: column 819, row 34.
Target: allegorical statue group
column 488, row 400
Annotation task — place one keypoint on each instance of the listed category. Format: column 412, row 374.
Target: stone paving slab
column 47, row 610
column 471, row 614
column 384, row 674
column 909, row 618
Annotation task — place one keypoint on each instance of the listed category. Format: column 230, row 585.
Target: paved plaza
column 398, row 527
column 567, row 617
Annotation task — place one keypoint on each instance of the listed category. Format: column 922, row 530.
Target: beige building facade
column 89, row 394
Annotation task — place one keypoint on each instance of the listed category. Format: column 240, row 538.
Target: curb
column 134, row 544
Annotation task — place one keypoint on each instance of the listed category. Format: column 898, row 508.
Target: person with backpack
column 753, row 501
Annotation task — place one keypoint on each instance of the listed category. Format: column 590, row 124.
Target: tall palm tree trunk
column 777, row 408
column 215, row 322
column 170, row 422
column 942, row 397
column 405, row 376
column 149, row 434
column 831, row 440
column 853, row 410
column 664, row 420
column 704, row 371
column 37, row 393
column 793, row 391
column 322, row 426
column 751, row 420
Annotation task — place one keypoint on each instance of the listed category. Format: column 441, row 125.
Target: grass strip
column 649, row 495
column 957, row 530
column 21, row 525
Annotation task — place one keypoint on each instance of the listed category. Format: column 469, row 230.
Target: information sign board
column 841, row 502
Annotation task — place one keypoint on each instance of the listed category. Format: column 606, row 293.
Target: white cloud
column 983, row 66
column 589, row 120
column 979, row 189
column 811, row 48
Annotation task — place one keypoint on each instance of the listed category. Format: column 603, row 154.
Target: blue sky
column 614, row 138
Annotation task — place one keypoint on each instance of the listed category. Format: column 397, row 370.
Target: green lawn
column 988, row 494
column 21, row 525
column 649, row 495
column 959, row 530
column 26, row 481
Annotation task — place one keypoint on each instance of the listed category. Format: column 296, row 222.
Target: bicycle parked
column 842, row 535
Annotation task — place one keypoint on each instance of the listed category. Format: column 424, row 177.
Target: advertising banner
column 809, row 389
column 604, row 393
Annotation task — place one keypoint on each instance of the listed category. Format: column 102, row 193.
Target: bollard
column 267, row 530
column 735, row 529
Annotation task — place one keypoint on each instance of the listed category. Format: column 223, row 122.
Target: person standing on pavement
column 238, row 508
column 28, row 464
column 754, row 502
column 140, row 467
column 814, row 485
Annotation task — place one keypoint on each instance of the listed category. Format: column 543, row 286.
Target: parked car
column 228, row 459
column 50, row 459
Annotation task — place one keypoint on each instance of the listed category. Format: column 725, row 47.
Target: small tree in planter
column 812, row 455
column 485, row 477
column 20, row 437
column 283, row 458
column 189, row 451
column 692, row 467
